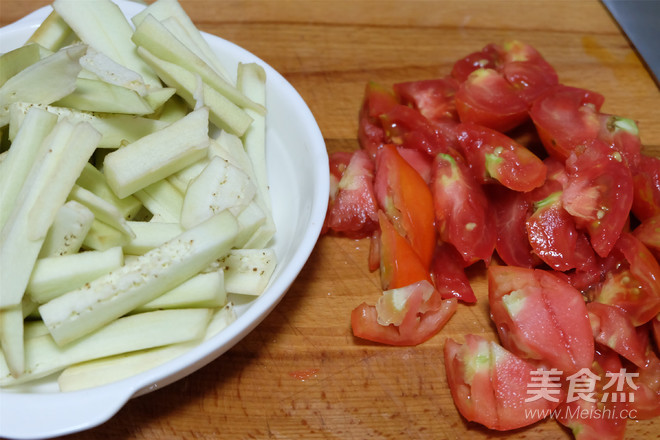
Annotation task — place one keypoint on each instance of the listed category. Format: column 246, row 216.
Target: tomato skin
column 353, row 211
column 486, row 98
column 613, row 328
column 423, row 319
column 635, row 283
column 494, row 156
column 462, row 209
column 596, row 427
column 377, row 100
column 433, row 98
column 646, row 187
column 405, row 197
column 449, row 275
column 489, row 384
column 566, row 117
column 540, row 316
column 400, row 264
column 599, row 194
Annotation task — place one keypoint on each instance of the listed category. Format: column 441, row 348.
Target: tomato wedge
column 406, row 127
column 648, row 232
column 421, row 162
column 622, row 136
column 494, row 156
column 565, row 118
column 593, row 420
column 525, row 69
column 634, row 285
column 511, row 210
column 462, row 210
column 646, row 187
column 377, row 100
column 599, row 194
column 405, row 316
column 400, row 264
column 353, row 211
column 646, row 398
column 540, row 316
column 613, row 328
column 338, row 161
column 448, row 273
column 487, row 98
column 552, row 233
column 405, row 197
column 489, row 385
column 433, row 98
column 486, row 58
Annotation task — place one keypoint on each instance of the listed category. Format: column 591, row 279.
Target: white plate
column 298, row 176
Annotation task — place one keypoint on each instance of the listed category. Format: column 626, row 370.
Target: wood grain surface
column 301, row 374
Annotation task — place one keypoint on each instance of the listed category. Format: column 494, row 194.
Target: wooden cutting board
column 301, row 374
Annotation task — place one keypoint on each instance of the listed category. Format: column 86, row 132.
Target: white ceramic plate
column 298, row 176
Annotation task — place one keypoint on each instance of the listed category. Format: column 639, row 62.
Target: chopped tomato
column 550, row 230
column 462, row 210
column 433, row 98
column 597, row 416
column 338, row 162
column 407, row 127
column 448, row 273
column 648, row 232
column 613, row 328
column 540, row 316
column 489, row 385
column 421, row 162
column 511, row 210
column 377, row 100
column 525, row 69
column 486, row 58
column 589, row 276
column 622, row 136
column 400, row 264
column 566, row 117
column 599, row 194
column 486, row 98
column 374, row 251
column 655, row 327
column 408, row 315
column 645, row 402
column 500, row 156
column 552, row 233
column 405, row 197
column 353, row 212
column 634, row 285
column 646, row 183
column 494, row 156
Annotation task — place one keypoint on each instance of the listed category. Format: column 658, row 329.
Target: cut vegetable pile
column 133, row 193
column 499, row 164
